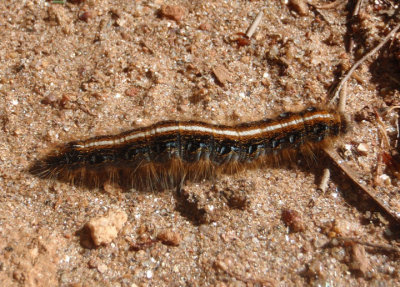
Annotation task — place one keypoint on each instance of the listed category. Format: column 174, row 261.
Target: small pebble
column 169, row 237
column 316, row 268
column 385, row 179
column 131, row 92
column 293, row 219
column 85, row 16
column 222, row 75
column 205, row 26
column 360, row 261
column 363, row 149
column 344, row 227
column 105, row 229
column 102, row 268
column 300, row 6
column 172, row 12
column 149, row 274
column 50, row 100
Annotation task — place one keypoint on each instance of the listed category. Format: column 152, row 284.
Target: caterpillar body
column 166, row 153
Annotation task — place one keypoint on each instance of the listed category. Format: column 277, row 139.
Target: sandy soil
column 83, row 68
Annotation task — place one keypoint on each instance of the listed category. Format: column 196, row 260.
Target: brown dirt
column 84, row 68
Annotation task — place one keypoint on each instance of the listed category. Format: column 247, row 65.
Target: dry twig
column 342, row 99
column 356, row 10
column 324, row 180
column 355, row 180
column 383, row 247
column 330, row 5
column 254, row 25
column 263, row 281
column 359, row 62
column 382, row 128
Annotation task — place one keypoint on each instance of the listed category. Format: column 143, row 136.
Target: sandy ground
column 83, row 68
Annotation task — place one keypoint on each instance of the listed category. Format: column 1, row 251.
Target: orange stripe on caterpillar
column 164, row 154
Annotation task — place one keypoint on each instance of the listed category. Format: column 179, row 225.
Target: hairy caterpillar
column 164, row 154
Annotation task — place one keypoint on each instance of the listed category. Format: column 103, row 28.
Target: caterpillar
column 165, row 154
